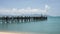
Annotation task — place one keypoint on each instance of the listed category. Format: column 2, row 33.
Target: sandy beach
column 10, row 33
column 20, row 33
column 16, row 33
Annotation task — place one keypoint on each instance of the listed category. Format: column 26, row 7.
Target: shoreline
column 17, row 33
column 12, row 32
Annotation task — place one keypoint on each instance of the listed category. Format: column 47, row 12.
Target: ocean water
column 51, row 25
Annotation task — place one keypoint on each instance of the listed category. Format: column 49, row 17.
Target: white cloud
column 47, row 7
column 29, row 10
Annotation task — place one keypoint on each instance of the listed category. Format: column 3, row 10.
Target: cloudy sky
column 18, row 7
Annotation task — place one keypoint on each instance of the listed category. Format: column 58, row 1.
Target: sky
column 18, row 7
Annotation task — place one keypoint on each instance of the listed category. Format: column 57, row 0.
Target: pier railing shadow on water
column 7, row 20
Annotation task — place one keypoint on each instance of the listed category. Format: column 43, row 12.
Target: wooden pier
column 22, row 19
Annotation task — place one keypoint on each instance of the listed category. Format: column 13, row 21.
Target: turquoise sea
column 51, row 25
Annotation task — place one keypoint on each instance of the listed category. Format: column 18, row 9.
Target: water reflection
column 14, row 24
